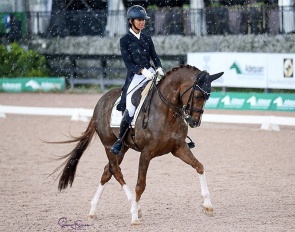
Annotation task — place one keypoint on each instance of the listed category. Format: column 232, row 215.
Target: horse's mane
column 180, row 67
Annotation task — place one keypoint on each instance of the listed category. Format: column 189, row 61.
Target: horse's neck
column 171, row 85
column 170, row 90
column 167, row 100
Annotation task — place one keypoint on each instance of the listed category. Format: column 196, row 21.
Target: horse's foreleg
column 187, row 156
column 207, row 205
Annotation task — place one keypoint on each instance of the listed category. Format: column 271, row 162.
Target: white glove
column 147, row 74
column 160, row 72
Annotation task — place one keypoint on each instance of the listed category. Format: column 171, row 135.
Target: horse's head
column 194, row 97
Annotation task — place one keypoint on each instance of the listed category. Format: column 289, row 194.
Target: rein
column 169, row 104
column 182, row 112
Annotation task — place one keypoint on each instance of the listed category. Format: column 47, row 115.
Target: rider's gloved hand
column 147, row 74
column 160, row 72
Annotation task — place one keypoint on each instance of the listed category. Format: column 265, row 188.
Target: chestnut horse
column 177, row 101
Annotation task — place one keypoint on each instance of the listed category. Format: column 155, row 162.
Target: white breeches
column 137, row 82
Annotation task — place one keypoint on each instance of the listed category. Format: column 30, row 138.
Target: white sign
column 248, row 70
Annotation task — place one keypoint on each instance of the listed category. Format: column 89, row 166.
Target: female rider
column 137, row 49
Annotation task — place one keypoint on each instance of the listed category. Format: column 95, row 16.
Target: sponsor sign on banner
column 251, row 101
column 31, row 84
column 248, row 70
column 283, row 102
column 233, row 101
column 258, row 102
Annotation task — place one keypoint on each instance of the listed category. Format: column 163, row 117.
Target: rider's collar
column 136, row 35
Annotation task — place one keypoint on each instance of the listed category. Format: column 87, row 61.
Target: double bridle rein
column 186, row 111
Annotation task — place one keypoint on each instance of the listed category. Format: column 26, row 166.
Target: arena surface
column 250, row 174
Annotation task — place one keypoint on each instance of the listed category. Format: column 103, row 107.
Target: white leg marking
column 128, row 192
column 139, row 210
column 207, row 205
column 134, row 205
column 95, row 200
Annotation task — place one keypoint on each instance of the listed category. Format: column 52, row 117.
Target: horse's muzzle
column 192, row 123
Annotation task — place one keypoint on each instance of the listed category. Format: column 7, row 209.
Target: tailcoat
column 137, row 54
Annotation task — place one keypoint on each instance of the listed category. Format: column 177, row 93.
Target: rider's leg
column 137, row 82
column 124, row 127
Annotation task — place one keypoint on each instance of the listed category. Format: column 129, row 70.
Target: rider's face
column 139, row 24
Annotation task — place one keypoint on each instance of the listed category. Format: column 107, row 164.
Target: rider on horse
column 137, row 49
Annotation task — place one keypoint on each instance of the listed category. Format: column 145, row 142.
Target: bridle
column 186, row 111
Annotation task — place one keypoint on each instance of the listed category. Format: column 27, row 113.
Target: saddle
column 141, row 98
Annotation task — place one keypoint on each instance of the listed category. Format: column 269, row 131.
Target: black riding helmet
column 137, row 12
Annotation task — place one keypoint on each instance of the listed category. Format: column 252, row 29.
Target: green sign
column 214, row 100
column 233, row 101
column 32, row 84
column 258, row 102
column 283, row 102
column 251, row 101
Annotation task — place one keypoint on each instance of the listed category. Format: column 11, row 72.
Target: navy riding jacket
column 136, row 54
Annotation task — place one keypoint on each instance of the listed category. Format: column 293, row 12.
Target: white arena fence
column 82, row 114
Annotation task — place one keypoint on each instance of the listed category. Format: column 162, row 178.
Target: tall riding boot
column 124, row 127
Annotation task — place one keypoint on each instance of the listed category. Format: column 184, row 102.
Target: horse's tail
column 67, row 175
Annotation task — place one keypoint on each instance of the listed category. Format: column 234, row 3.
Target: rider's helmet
column 137, row 12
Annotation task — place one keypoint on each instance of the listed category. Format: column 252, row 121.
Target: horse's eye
column 198, row 97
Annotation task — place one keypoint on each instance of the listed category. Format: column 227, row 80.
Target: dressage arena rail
column 82, row 114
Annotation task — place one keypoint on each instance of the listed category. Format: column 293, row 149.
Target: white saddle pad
column 116, row 116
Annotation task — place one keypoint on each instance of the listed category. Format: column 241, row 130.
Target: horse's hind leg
column 187, row 156
column 106, row 176
column 104, row 179
column 116, row 172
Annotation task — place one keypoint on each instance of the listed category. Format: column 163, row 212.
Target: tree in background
column 15, row 61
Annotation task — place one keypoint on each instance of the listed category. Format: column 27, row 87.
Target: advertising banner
column 283, row 102
column 251, row 101
column 281, row 72
column 32, row 84
column 248, row 70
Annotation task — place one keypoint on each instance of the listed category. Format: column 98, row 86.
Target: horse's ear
column 202, row 76
column 215, row 76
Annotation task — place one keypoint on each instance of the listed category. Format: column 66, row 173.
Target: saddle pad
column 116, row 116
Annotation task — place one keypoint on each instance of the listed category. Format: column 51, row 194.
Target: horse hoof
column 91, row 217
column 135, row 223
column 139, row 213
column 208, row 210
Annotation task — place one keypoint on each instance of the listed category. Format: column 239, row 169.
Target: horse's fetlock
column 205, row 195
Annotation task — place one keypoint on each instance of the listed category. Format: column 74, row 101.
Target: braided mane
column 180, row 67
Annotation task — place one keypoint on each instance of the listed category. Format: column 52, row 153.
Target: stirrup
column 116, row 148
column 190, row 144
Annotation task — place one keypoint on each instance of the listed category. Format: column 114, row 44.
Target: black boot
column 124, row 127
